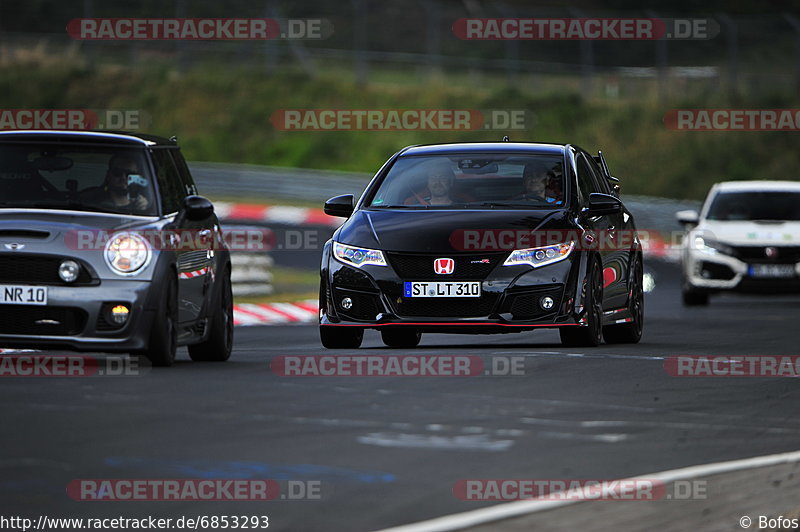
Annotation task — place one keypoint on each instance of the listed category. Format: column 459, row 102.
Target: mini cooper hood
column 752, row 233
column 57, row 223
column 435, row 231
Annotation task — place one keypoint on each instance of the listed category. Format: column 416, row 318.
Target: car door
column 193, row 246
column 617, row 246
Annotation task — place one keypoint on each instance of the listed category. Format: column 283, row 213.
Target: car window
column 600, row 178
column 172, row 191
column 183, row 171
column 50, row 176
column 586, row 183
column 472, row 181
column 778, row 205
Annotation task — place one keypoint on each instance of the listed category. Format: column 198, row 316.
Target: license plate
column 11, row 294
column 442, row 289
column 771, row 270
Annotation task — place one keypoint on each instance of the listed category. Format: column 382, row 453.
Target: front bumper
column 509, row 302
column 719, row 272
column 81, row 325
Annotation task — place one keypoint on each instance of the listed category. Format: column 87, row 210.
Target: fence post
column 661, row 63
column 794, row 22
column 732, row 32
column 360, row 41
column 587, row 59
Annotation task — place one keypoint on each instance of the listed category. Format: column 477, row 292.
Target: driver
column 540, row 184
column 440, row 182
column 116, row 191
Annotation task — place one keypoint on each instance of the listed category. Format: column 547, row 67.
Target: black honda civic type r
column 478, row 238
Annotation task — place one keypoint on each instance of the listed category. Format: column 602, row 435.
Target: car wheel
column 591, row 334
column 631, row 332
column 341, row 337
column 691, row 296
column 400, row 337
column 163, row 340
column 218, row 346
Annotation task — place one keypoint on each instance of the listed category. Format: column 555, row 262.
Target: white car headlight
column 358, row 257
column 127, row 253
column 710, row 246
column 542, row 256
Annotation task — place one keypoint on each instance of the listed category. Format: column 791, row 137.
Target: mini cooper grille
column 36, row 270
column 782, row 254
column 53, row 321
column 468, row 267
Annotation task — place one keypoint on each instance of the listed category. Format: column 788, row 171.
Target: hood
column 421, row 231
column 745, row 233
column 40, row 225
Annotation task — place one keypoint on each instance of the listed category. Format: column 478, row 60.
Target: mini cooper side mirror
column 340, row 206
column 197, row 208
column 687, row 217
column 600, row 204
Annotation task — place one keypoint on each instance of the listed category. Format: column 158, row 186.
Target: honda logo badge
column 444, row 266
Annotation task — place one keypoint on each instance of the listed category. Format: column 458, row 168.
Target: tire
column 163, row 341
column 400, row 338
column 630, row 333
column 341, row 337
column 591, row 335
column 692, row 297
column 218, row 346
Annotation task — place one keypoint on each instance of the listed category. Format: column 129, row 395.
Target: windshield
column 47, row 176
column 473, row 181
column 750, row 205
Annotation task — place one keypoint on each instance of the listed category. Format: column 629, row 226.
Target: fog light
column 347, row 303
column 119, row 314
column 69, row 271
column 546, row 302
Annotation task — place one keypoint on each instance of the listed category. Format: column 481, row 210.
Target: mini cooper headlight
column 358, row 257
column 126, row 253
column 542, row 256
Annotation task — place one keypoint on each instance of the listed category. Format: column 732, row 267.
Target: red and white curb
column 280, row 214
column 275, row 313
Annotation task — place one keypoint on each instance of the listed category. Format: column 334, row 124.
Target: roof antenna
column 174, row 138
column 505, row 138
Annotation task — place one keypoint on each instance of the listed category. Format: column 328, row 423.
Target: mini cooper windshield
column 49, row 176
column 473, row 181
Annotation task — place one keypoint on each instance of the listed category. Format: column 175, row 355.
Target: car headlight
column 542, row 256
column 127, row 253
column 358, row 257
column 708, row 245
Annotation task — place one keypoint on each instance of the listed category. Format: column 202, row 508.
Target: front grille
column 37, row 269
column 524, row 305
column 472, row 267
column 435, row 307
column 21, row 319
column 784, row 254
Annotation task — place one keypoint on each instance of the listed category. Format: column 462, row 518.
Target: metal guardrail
column 268, row 184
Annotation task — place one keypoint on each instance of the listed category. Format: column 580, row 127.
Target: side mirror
column 197, row 208
column 340, row 206
column 688, row 217
column 600, row 204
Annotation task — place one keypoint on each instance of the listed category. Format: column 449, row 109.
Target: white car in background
column 746, row 238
